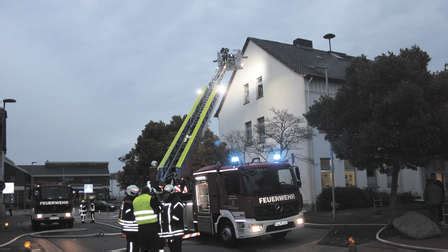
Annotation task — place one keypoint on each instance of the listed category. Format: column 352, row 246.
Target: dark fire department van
column 250, row 200
column 52, row 204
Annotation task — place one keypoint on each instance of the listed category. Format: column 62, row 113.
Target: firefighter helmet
column 132, row 190
column 168, row 188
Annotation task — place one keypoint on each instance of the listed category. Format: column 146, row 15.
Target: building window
column 246, row 94
column 350, row 174
column 389, row 179
column 248, row 126
column 259, row 87
column 371, row 179
column 261, row 130
column 325, row 172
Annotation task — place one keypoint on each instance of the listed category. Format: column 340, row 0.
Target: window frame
column 248, row 132
column 246, row 94
column 261, row 122
column 260, row 89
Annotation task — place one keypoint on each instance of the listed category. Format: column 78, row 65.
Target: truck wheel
column 227, row 234
column 279, row 236
column 35, row 225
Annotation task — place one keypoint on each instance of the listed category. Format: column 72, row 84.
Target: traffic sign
column 88, row 188
column 9, row 188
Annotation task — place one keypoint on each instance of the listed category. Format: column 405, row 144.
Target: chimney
column 303, row 42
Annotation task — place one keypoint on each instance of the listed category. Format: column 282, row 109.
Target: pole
column 2, row 156
column 333, row 197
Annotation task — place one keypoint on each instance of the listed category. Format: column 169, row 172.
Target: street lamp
column 8, row 100
column 3, row 150
column 329, row 36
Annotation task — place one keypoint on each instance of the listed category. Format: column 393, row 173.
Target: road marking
column 118, row 250
column 47, row 245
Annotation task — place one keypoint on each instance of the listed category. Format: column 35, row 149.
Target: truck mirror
column 299, row 180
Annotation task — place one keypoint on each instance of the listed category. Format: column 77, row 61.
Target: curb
column 402, row 245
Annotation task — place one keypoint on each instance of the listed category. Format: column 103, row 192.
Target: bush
column 346, row 197
column 372, row 195
column 406, row 197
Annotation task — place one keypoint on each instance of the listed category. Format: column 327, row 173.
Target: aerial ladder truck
column 237, row 201
column 193, row 125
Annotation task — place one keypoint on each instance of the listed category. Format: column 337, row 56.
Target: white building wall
column 285, row 89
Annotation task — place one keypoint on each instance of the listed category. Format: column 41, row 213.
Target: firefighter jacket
column 126, row 217
column 92, row 207
column 171, row 217
column 83, row 209
column 143, row 209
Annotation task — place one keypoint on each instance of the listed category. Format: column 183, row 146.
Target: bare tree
column 237, row 141
column 280, row 133
column 283, row 131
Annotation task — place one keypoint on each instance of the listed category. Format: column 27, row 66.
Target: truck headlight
column 68, row 215
column 300, row 221
column 255, row 228
column 39, row 216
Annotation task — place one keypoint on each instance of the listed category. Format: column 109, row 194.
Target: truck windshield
column 268, row 181
column 53, row 192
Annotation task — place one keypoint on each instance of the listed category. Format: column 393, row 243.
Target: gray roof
column 302, row 60
column 52, row 169
column 306, row 60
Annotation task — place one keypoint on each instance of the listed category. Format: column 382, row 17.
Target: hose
column 42, row 232
column 401, row 245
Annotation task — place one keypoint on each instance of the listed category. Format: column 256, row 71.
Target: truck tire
column 35, row 225
column 279, row 236
column 227, row 233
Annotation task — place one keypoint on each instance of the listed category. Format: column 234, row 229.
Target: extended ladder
column 197, row 118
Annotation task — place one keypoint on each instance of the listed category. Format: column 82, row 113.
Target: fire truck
column 237, row 201
column 52, row 204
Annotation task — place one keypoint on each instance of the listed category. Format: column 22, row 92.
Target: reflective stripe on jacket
column 126, row 218
column 171, row 218
column 143, row 212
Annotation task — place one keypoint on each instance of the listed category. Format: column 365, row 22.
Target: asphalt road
column 115, row 243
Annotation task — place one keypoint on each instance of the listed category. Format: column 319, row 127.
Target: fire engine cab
column 248, row 200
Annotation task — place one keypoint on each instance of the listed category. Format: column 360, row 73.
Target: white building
column 292, row 76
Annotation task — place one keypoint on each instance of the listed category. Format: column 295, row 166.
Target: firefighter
column 83, row 211
column 146, row 209
column 92, row 211
column 171, row 219
column 126, row 218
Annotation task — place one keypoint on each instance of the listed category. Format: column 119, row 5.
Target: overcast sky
column 88, row 75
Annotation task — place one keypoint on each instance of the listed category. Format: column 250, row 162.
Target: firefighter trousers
column 131, row 246
column 175, row 244
column 92, row 216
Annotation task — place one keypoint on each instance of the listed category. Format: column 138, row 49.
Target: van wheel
column 279, row 236
column 227, row 234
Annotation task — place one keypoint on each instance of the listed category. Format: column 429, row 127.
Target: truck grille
column 53, row 209
column 271, row 228
column 276, row 211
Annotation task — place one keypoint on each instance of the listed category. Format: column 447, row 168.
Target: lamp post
column 329, row 36
column 3, row 116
